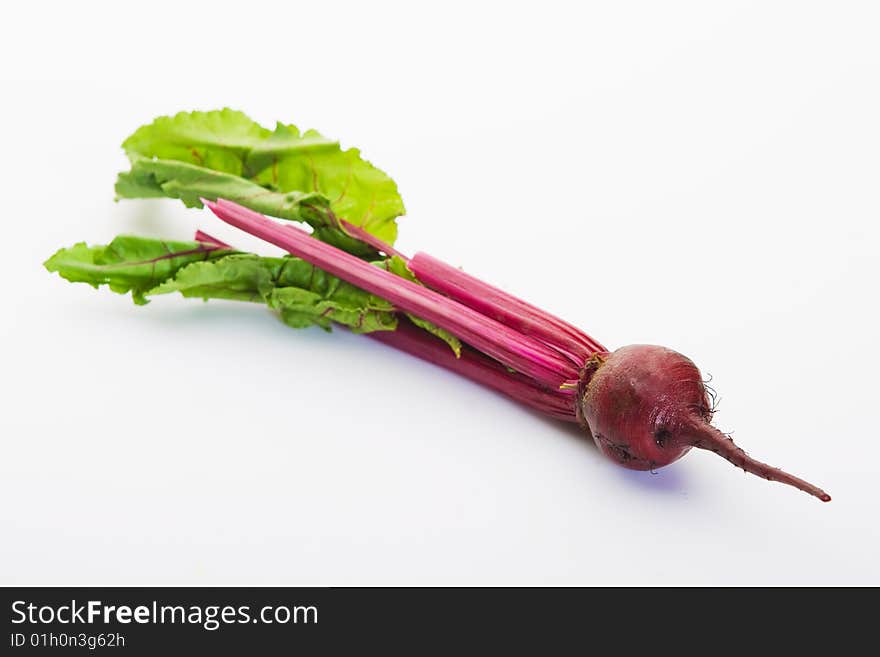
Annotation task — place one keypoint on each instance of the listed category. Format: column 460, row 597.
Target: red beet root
column 646, row 406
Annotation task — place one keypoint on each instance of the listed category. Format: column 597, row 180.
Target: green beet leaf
column 301, row 293
column 129, row 263
column 285, row 173
column 299, row 307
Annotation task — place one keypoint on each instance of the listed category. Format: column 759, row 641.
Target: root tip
column 704, row 436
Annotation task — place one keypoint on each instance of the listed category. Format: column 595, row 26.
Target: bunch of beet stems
column 515, row 347
column 510, row 345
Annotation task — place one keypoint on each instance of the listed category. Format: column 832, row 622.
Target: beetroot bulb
column 644, row 406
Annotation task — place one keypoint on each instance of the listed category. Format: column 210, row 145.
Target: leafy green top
column 129, row 264
column 302, row 294
column 283, row 173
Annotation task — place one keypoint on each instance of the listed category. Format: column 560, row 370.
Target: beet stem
column 204, row 238
column 367, row 238
column 703, row 435
column 506, row 308
column 478, row 368
column 522, row 353
column 487, row 300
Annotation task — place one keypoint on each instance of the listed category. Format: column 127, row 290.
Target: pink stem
column 519, row 352
column 360, row 234
column 476, row 367
column 504, row 307
column 207, row 239
column 489, row 300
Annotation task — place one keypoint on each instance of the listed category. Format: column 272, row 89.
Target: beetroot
column 646, row 406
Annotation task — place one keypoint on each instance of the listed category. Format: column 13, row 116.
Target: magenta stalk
column 522, row 353
column 204, row 238
column 367, row 238
column 476, row 367
column 505, row 308
column 488, row 300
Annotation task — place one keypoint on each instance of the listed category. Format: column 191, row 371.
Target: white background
column 698, row 175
